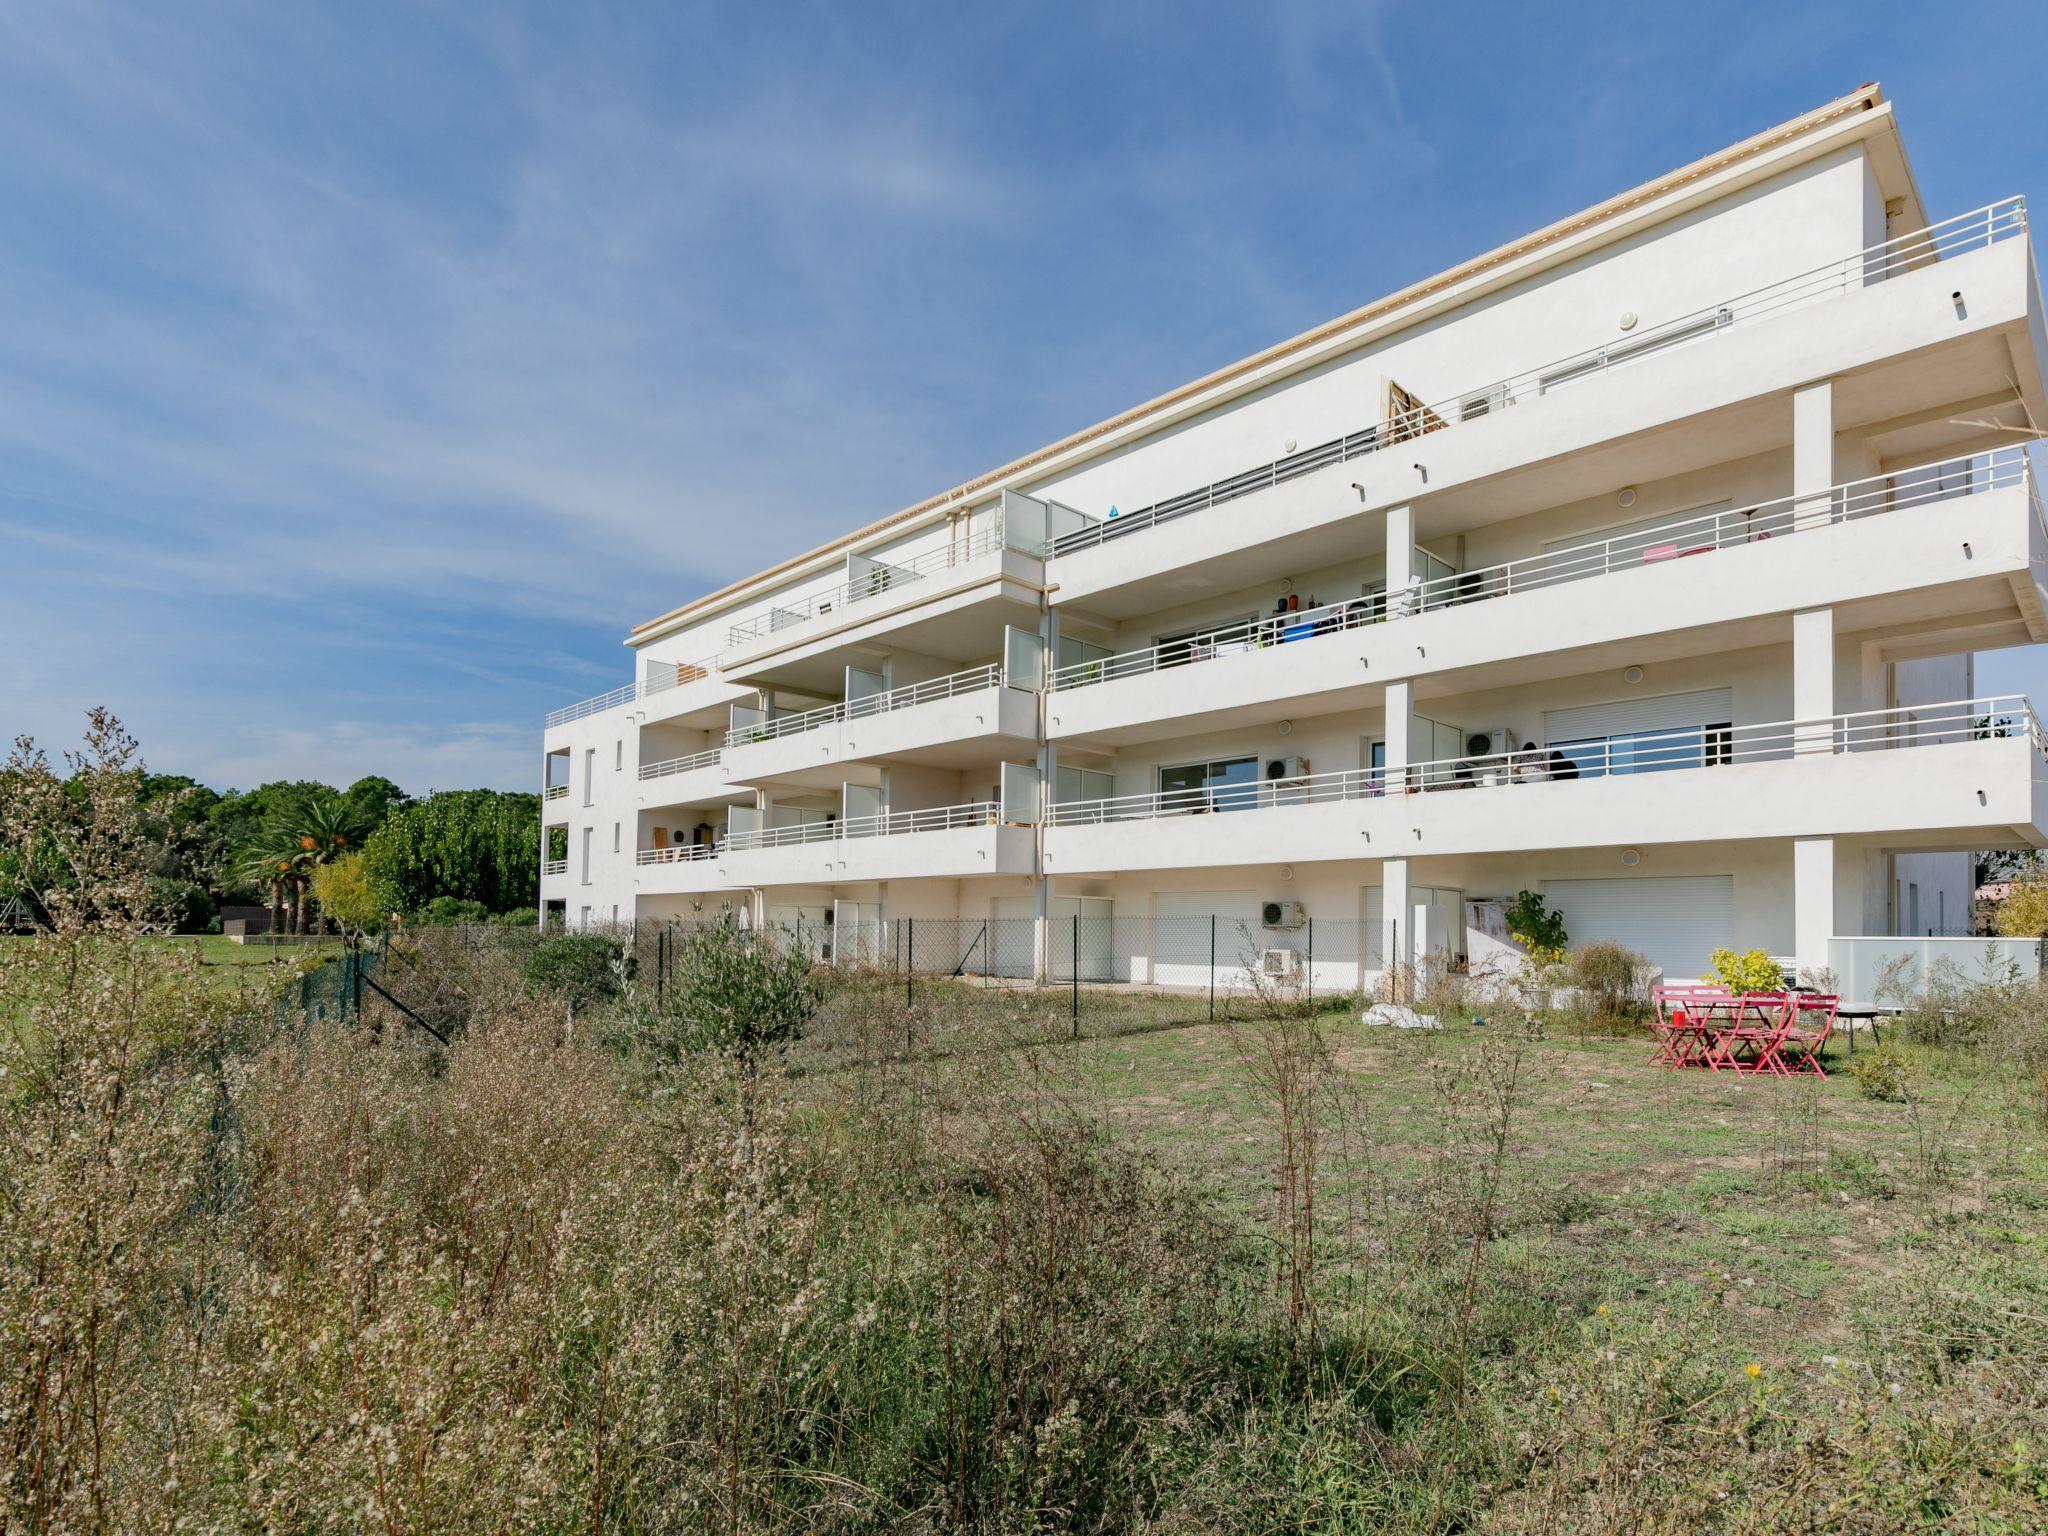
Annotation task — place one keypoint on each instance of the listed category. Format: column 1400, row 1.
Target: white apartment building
column 1638, row 562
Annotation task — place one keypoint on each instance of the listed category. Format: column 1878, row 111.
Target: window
column 589, row 774
column 615, row 837
column 586, row 855
column 1071, row 784
column 618, row 755
column 1649, row 751
column 1231, row 784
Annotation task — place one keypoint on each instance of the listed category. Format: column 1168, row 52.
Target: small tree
column 345, row 894
column 737, row 994
column 1537, row 928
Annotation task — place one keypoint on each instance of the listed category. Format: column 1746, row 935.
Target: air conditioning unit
column 1485, row 403
column 1497, row 742
column 1282, row 914
column 1280, row 964
column 1286, row 768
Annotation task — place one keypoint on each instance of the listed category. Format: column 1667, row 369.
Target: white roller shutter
column 1180, row 937
column 1673, row 921
column 1665, row 712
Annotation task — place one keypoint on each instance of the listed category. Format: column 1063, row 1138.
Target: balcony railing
column 1787, row 516
column 663, row 677
column 674, row 765
column 554, row 867
column 973, row 680
column 1965, row 232
column 555, row 792
column 872, row 584
column 685, row 853
column 1699, row 746
column 1856, row 499
column 981, row 813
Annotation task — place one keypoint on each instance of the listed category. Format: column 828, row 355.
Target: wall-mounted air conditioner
column 1278, row 768
column 1280, row 964
column 1282, row 914
column 1485, row 403
column 1497, row 742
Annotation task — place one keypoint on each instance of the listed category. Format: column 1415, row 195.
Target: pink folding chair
column 1685, row 1016
column 1813, row 1021
column 1752, row 1048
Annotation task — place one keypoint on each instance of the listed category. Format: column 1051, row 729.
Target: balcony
column 1974, row 523
column 555, row 792
column 1964, row 771
column 553, row 867
column 954, row 721
column 1937, row 242
column 922, row 590
column 698, row 778
column 942, row 842
column 656, row 682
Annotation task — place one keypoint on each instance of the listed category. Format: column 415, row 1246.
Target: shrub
column 1609, row 979
column 1883, row 1074
column 1537, row 928
column 585, row 968
column 521, row 917
column 1754, row 971
column 2024, row 912
column 443, row 910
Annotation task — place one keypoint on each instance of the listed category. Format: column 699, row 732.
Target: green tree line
column 462, row 852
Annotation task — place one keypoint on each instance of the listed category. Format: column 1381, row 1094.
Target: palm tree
column 305, row 832
column 324, row 828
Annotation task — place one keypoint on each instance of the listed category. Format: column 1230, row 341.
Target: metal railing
column 973, row 680
column 1226, row 640
column 1968, row 231
column 674, row 765
column 554, row 866
column 874, row 583
column 980, row 813
column 1696, row 746
column 1946, row 480
column 665, row 677
column 1927, row 484
column 686, row 853
column 555, row 792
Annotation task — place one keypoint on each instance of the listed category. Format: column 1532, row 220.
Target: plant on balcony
column 1537, row 928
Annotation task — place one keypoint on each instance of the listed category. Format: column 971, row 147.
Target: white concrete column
column 1400, row 722
column 1813, row 900
column 1397, row 944
column 1813, row 678
column 1400, row 557
column 1813, row 451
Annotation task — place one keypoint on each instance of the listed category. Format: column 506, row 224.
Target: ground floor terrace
column 1821, row 905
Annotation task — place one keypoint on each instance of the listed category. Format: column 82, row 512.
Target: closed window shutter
column 1674, row 921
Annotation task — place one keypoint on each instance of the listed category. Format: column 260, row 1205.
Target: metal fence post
column 660, row 965
column 1308, row 973
column 1212, row 967
column 909, row 959
column 1074, row 967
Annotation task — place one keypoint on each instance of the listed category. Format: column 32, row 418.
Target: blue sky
column 366, row 370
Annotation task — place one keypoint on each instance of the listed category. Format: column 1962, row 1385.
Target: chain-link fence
column 892, row 986
column 903, row 987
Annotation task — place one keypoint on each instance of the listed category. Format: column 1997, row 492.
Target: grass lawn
column 1778, row 1207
